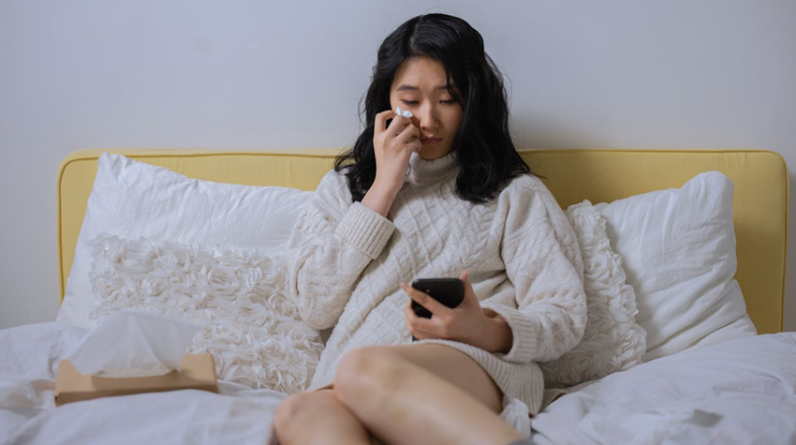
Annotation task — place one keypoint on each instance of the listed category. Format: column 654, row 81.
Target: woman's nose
column 427, row 117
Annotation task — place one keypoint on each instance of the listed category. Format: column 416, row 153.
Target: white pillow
column 133, row 199
column 238, row 296
column 612, row 341
column 678, row 247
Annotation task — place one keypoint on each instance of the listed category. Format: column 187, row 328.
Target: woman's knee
column 298, row 410
column 370, row 375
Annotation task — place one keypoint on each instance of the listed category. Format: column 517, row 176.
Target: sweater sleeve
column 543, row 262
column 332, row 242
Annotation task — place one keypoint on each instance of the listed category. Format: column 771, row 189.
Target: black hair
column 482, row 146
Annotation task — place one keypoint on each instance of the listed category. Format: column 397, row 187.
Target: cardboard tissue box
column 132, row 352
column 198, row 371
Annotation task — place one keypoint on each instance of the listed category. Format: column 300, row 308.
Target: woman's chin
column 429, row 153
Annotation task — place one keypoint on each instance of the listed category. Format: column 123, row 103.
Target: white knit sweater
column 346, row 263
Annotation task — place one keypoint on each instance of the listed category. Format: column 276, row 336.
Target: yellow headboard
column 760, row 205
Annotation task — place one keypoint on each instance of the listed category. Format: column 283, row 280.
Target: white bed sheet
column 29, row 356
column 741, row 391
column 738, row 392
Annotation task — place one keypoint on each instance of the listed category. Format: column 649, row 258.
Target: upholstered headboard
column 760, row 205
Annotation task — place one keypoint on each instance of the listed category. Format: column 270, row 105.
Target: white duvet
column 29, row 356
column 741, row 391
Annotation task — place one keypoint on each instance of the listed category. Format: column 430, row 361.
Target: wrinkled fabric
column 741, row 391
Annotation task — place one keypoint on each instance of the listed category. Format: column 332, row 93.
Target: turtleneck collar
column 422, row 171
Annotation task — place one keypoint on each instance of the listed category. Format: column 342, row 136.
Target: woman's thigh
column 452, row 365
column 422, row 393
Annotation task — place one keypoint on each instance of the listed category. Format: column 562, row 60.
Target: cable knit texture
column 346, row 263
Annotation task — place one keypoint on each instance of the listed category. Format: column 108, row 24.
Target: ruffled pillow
column 253, row 331
column 612, row 340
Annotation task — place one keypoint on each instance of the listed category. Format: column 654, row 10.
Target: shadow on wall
column 790, row 268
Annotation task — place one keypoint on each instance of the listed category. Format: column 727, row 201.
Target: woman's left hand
column 466, row 323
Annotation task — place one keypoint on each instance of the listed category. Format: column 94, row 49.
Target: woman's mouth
column 430, row 141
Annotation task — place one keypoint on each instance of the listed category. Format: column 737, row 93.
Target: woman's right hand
column 392, row 147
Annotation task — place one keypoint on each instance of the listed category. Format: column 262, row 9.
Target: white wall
column 251, row 74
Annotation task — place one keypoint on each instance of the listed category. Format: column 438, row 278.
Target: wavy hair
column 482, row 145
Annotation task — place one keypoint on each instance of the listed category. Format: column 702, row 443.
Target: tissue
column 133, row 343
column 404, row 113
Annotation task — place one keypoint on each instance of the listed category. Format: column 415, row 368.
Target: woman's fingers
column 469, row 292
column 408, row 134
column 380, row 122
column 401, row 128
column 423, row 299
column 410, row 138
column 420, row 327
column 398, row 125
column 392, row 152
column 394, row 127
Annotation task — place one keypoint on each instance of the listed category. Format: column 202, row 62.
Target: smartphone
column 448, row 291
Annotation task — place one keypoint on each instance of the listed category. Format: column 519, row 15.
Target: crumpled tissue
column 402, row 112
column 133, row 343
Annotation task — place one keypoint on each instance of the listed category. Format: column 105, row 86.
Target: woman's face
column 419, row 85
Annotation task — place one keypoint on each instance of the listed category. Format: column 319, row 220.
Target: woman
column 442, row 193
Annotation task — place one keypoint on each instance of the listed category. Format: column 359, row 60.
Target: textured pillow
column 612, row 341
column 678, row 248
column 134, row 199
column 238, row 297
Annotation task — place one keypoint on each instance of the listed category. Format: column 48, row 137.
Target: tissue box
column 198, row 372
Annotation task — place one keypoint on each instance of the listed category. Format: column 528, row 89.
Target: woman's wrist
column 379, row 198
column 499, row 335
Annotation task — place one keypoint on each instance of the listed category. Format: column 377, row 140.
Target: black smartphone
column 448, row 291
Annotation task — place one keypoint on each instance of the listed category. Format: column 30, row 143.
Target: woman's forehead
column 420, row 73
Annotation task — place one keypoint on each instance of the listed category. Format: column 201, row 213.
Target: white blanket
column 738, row 392
column 29, row 356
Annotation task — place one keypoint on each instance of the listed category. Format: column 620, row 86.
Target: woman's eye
column 414, row 102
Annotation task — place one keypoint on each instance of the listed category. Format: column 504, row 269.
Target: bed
column 731, row 389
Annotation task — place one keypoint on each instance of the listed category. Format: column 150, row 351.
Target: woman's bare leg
column 316, row 418
column 451, row 365
column 422, row 394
